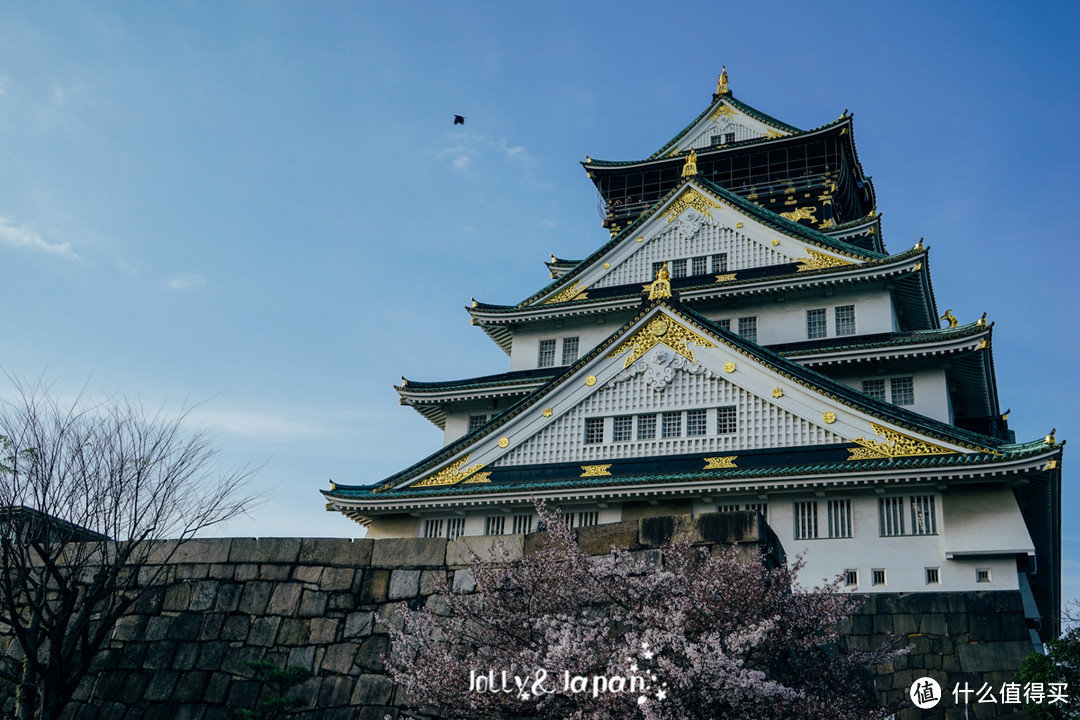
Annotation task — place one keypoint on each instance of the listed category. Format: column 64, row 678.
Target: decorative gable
column 725, row 123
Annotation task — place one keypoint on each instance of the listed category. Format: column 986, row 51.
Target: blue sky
column 264, row 208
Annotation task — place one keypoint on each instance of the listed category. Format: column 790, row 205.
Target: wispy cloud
column 468, row 148
column 186, row 281
column 20, row 236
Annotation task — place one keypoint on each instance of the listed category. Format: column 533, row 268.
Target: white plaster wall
column 590, row 331
column 931, row 390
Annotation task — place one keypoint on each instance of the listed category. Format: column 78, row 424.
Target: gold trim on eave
column 595, row 470
column 716, row 463
column 689, row 198
column 453, row 473
column 820, row 261
column 896, row 445
column 571, row 293
column 661, row 330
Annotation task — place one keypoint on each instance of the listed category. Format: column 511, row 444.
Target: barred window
column 806, row 527
column 903, row 390
column 878, row 575
column 845, row 320
column 851, row 578
column 594, row 431
column 923, row 515
column 839, row 518
column 546, row 357
column 523, row 524
column 623, row 429
column 727, row 508
column 816, row 326
column 874, row 388
column 762, row 508
column 494, row 524
column 719, row 263
column 433, row 528
column 982, row 575
column 569, row 350
column 678, row 268
column 933, row 576
column 646, row 427
column 748, row 328
column 726, row 420
column 656, row 268
column 701, row 265
column 697, row 422
column 455, row 528
column 586, row 519
column 716, row 139
column 672, row 425
column 891, row 516
column 476, row 421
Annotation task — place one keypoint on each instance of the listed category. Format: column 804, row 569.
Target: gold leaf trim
column 716, row 463
column 453, row 473
column 725, row 278
column 722, row 110
column 571, row 293
column 803, row 213
column 896, row 445
column 661, row 330
column 690, row 198
column 820, row 261
column 483, row 477
column 595, row 470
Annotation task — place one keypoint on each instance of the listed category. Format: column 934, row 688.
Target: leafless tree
column 86, row 490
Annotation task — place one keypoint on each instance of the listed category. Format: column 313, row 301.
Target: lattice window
column 697, row 422
column 726, row 324
column 923, row 515
column 594, row 431
column 816, row 324
column 719, row 263
column 748, row 328
column 727, row 421
column 433, row 528
column 806, row 525
column 646, row 427
column 891, row 516
column 903, row 390
column 671, row 425
column 727, row 508
column 678, row 268
column 623, row 428
column 845, row 320
column 982, row 575
column 569, row 350
column 701, row 265
column 546, row 356
column 455, row 528
column 839, row 518
column 494, row 524
column 476, row 421
column 729, row 138
column 523, row 524
column 656, row 268
column 874, row 388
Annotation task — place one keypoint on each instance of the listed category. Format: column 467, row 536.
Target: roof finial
column 981, row 322
column 953, row 322
column 661, row 287
column 721, row 82
column 919, row 247
column 1050, row 439
column 690, row 168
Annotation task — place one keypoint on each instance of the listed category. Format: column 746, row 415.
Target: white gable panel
column 725, row 119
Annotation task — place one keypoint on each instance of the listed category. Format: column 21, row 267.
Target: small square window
column 933, row 576
column 701, row 265
column 678, row 268
column 874, row 388
column 646, row 427
column 726, row 324
column 546, row 357
column 716, row 139
column 594, row 431
column 622, row 429
column 671, row 425
column 696, row 422
column 476, row 421
column 903, row 390
column 494, row 524
column 719, row 263
column 726, row 420
column 729, row 138
column 748, row 328
column 851, row 578
column 816, row 326
column 878, row 575
column 845, row 320
column 982, row 575
column 569, row 350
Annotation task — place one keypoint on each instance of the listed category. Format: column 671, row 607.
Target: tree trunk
column 26, row 697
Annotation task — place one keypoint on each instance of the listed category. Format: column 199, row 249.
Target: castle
column 744, row 341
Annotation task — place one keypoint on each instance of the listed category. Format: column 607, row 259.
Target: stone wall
column 326, row 604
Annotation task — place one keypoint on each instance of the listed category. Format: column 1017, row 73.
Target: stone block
column 313, row 603
column 264, row 631
column 337, row 578
column 339, row 658
column 150, row 601
column 160, row 686
column 255, row 596
column 223, row 571
column 236, row 659
column 432, row 580
column 883, row 624
column 285, row 599
column 359, row 624
column 211, row 655
column 336, row 552
column 303, row 656
column 246, row 571
column 372, row 690
column 228, row 597
column 988, row 657
column 464, row 581
column 211, row 626
column 275, row 572
column 655, row 531
column 985, row 627
column 599, row 539
column 408, row 552
column 159, row 655
column 189, row 688
column 177, row 597
column 375, row 587
column 389, row 616
column 294, row 631
column 371, row 653
column 497, row 548
column 932, row 624
column 307, row 573
column 134, row 686
column 265, row 550
column 186, row 655
column 341, row 601
column 133, row 655
column 243, row 693
column 403, row 584
column 727, row 528
column 217, row 687
column 905, row 624
column 236, row 627
column 535, row 541
column 323, row 630
column 191, row 571
column 203, row 550
column 335, row 692
column 129, row 627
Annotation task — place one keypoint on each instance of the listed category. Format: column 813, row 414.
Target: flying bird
column 459, row 119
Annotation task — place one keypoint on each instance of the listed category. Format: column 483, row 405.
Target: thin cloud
column 20, row 236
column 186, row 281
column 469, row 147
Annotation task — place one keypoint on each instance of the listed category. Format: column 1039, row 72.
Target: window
column 494, row 524
column 696, row 422
column 839, row 518
column 851, row 578
column 433, row 528
column 933, row 576
column 716, row 140
column 678, row 268
column 982, row 575
column 546, row 357
column 523, row 524
column 878, row 575
column 762, row 508
column 646, row 427
column 748, row 328
column 455, row 528
column 476, row 421
column 727, row 508
column 672, row 425
column 874, row 388
column 594, row 431
column 719, row 263
column 726, row 324
column 891, row 516
column 586, row 519
column 845, row 320
column 729, row 138
column 903, row 390
column 623, row 429
column 923, row 515
column 726, row 421
column 815, row 324
column 701, row 265
column 806, row 519
column 569, row 350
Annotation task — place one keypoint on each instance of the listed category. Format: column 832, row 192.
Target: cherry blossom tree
column 677, row 633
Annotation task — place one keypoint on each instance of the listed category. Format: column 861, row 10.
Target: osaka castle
column 742, row 340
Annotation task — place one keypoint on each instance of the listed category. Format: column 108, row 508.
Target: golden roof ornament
column 981, row 322
column 690, row 168
column 953, row 322
column 661, row 287
column 1050, row 439
column 721, row 82
column 919, row 247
